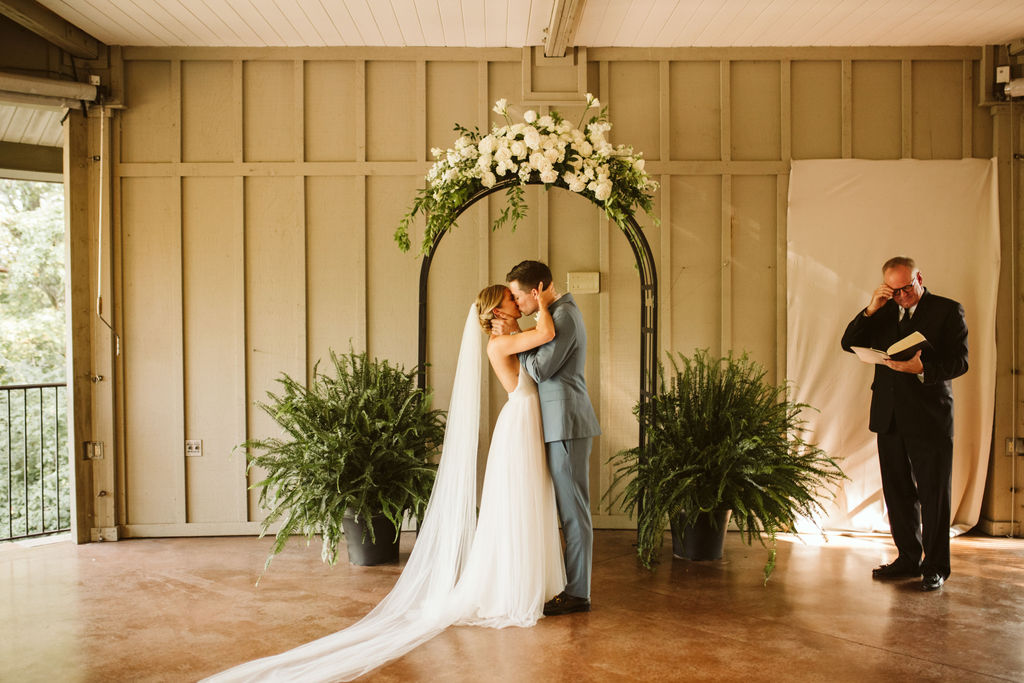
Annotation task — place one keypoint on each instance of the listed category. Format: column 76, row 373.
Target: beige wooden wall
column 255, row 194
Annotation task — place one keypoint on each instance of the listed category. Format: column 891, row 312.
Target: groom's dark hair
column 530, row 274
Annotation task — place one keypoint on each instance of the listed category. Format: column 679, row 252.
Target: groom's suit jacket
column 902, row 403
column 558, row 368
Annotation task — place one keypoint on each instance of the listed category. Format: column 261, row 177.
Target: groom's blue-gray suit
column 569, row 425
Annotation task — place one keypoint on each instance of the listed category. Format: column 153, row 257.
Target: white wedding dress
column 496, row 570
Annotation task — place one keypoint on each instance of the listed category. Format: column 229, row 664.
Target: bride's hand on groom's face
column 544, row 296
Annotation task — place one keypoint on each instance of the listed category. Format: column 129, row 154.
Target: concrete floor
column 180, row 609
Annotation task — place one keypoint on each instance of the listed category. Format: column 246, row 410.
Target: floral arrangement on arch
column 546, row 148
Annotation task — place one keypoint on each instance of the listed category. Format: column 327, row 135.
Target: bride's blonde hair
column 486, row 301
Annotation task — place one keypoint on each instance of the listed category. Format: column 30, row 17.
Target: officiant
column 912, row 415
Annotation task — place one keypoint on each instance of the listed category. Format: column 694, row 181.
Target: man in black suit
column 912, row 413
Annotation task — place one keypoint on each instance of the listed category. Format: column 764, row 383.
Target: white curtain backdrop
column 846, row 218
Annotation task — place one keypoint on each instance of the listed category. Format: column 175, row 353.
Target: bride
column 495, row 570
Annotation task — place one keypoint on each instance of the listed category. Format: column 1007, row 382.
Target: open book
column 904, row 349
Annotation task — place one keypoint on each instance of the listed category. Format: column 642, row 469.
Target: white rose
column 601, row 190
column 531, row 137
column 518, row 149
column 487, row 144
column 487, row 179
column 545, row 122
column 530, row 116
column 484, row 162
column 501, row 106
column 586, row 149
column 549, row 175
column 575, row 183
column 552, row 155
column 639, row 163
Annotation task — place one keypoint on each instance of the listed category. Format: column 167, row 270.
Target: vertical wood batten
column 725, row 98
column 117, row 293
column 726, row 264
column 483, row 229
column 665, row 154
column 180, row 470
column 237, row 111
column 786, row 115
column 781, row 204
column 967, row 116
column 906, row 109
column 725, row 260
column 360, row 110
column 781, row 273
column 241, row 506
column 605, row 306
column 299, row 95
column 421, row 110
column 847, row 108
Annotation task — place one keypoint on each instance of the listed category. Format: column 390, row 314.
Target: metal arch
column 648, row 299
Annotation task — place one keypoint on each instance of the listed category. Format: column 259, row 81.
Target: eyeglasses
column 907, row 289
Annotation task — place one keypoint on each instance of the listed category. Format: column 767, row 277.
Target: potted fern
column 353, row 459
column 720, row 438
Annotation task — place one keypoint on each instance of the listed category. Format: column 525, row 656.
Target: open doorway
column 35, row 491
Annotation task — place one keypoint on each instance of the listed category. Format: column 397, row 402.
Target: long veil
column 414, row 611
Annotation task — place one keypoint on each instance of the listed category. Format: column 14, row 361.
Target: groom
column 569, row 424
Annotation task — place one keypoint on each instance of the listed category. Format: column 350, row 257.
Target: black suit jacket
column 900, row 402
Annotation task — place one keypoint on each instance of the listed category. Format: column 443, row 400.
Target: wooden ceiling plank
column 204, row 18
column 474, row 23
column 518, row 24
column 496, row 22
column 387, row 23
column 451, row 23
column 342, row 20
column 408, row 22
column 365, row 22
column 52, row 27
column 429, row 16
column 233, row 16
column 311, row 32
column 540, row 15
column 281, row 24
column 611, row 24
column 134, row 21
column 632, row 24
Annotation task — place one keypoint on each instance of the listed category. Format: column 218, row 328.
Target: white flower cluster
column 546, row 145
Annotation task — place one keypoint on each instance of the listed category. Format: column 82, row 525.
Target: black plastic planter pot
column 360, row 550
column 703, row 540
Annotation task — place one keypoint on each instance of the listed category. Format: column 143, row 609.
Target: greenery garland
column 546, row 148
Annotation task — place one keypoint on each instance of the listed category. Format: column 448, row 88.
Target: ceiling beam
column 566, row 16
column 52, row 27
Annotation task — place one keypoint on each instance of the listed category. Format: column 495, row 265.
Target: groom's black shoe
column 563, row 603
column 897, row 569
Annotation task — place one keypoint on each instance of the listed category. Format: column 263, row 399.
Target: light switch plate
column 584, row 283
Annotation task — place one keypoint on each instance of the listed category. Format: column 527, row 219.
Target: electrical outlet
column 1002, row 74
column 1010, row 450
column 93, row 450
column 193, row 448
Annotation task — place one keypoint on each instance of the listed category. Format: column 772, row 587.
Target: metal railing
column 35, row 490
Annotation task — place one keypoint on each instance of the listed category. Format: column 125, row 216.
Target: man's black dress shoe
column 563, row 603
column 932, row 582
column 896, row 570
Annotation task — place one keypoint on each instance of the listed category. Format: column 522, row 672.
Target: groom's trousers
column 569, row 464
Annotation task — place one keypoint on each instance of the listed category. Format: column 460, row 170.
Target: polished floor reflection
column 180, row 609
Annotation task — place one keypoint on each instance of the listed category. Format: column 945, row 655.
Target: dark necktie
column 904, row 325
